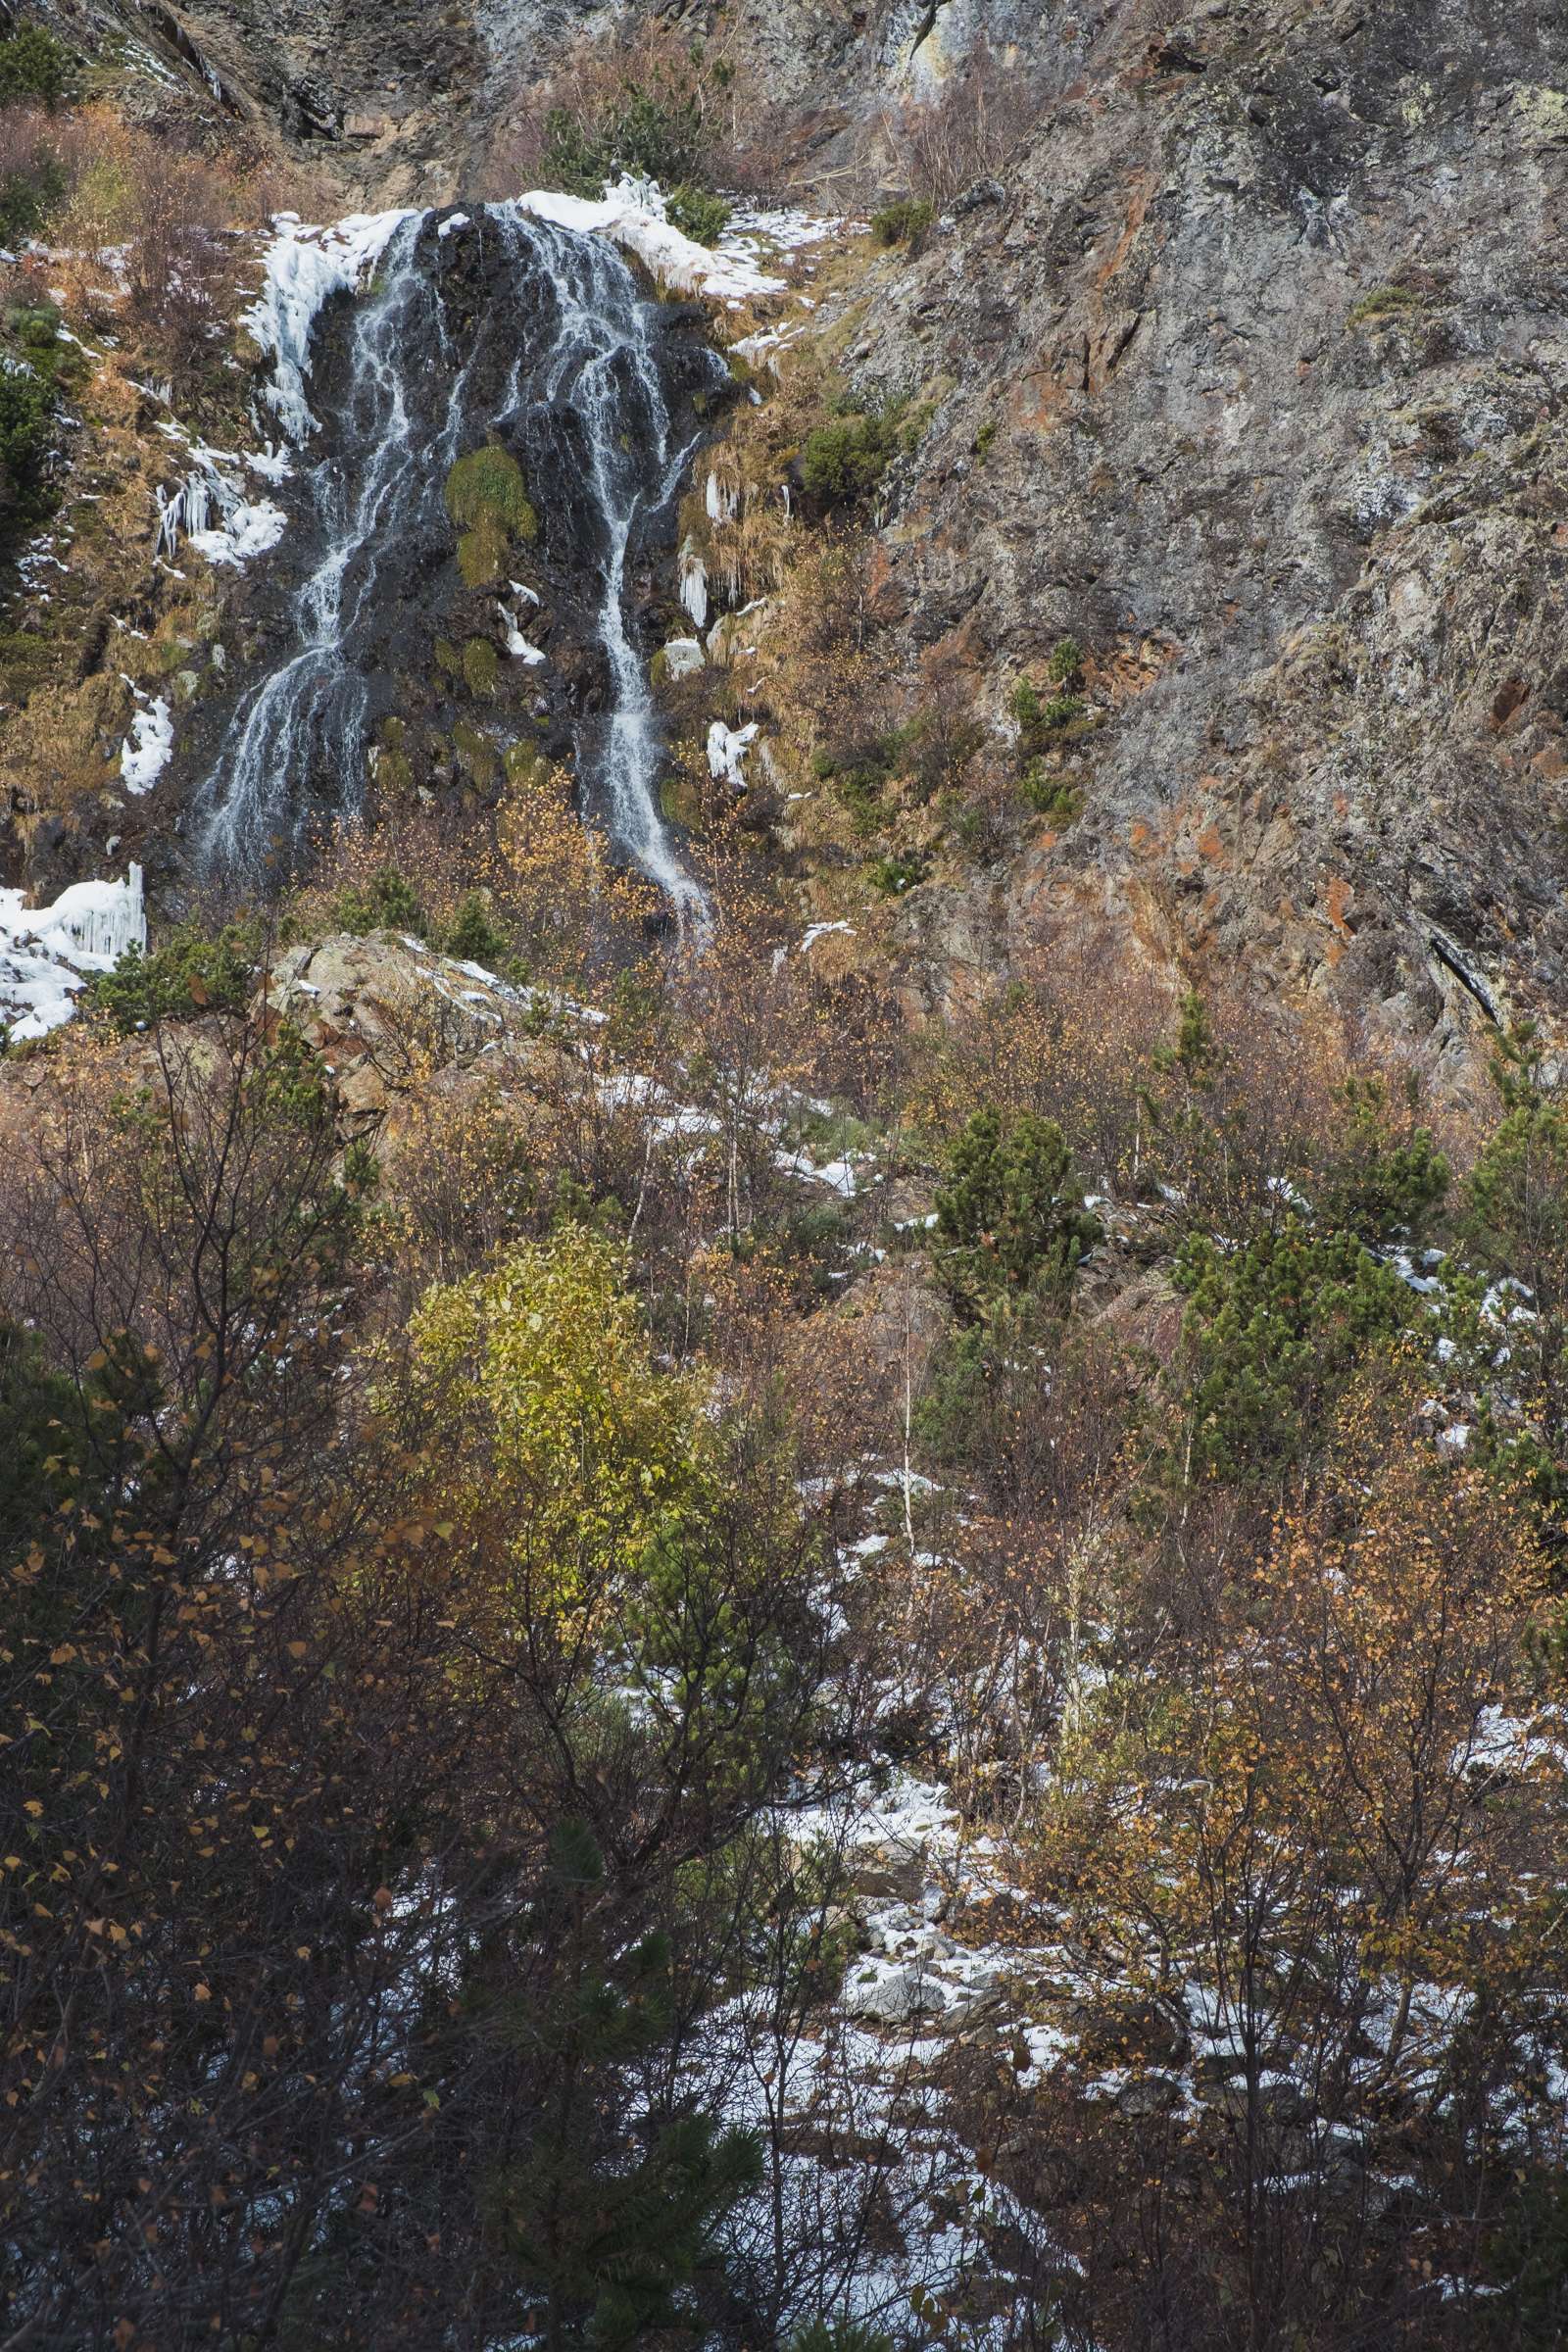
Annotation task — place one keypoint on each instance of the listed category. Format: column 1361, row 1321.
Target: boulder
column 395, row 1022
column 891, row 1996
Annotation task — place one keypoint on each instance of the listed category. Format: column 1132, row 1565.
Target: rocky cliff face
column 1267, row 342
column 1272, row 336
column 398, row 100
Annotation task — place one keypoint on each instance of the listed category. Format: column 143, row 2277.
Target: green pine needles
column 613, row 2250
column 1011, row 1209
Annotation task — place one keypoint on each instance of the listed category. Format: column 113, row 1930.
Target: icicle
column 731, row 570
column 45, row 953
column 210, row 510
column 694, row 583
column 182, row 513
column 99, row 920
column 724, row 495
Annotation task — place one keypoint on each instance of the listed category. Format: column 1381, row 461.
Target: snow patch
column 838, row 1175
column 816, row 931
column 517, row 644
column 632, row 215
column 683, row 655
column 149, row 747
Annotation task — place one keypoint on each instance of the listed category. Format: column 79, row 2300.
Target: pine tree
column 1374, row 1185
column 1275, row 1333
column 1012, row 1208
column 612, row 2243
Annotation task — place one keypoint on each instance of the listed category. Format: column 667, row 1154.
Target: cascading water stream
column 316, row 701
column 566, row 373
column 603, row 367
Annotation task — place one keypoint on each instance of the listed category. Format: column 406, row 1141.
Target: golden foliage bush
column 562, row 1451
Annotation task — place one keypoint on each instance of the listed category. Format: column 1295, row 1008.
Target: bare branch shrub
column 148, row 243
column 653, row 83
column 971, row 131
column 648, row 98
column 42, row 157
column 179, row 261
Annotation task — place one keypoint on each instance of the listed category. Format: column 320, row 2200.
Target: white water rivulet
column 540, row 338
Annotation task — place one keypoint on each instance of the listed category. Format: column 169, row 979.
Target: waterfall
column 601, row 386
column 311, row 710
column 563, row 365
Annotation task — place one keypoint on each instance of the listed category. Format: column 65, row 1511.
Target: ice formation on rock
column 149, row 747
column 47, row 953
column 727, row 748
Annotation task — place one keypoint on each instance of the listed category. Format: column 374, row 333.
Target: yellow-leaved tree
column 556, row 1453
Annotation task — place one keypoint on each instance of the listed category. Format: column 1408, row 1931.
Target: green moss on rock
column 488, row 500
column 481, row 668
column 489, row 482
column 525, row 764
column 391, row 765
column 1384, row 302
column 476, row 752
column 679, row 804
column 482, row 555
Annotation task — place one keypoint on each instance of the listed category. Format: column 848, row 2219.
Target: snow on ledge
column 305, row 268
column 46, row 952
column 632, row 215
column 517, row 644
column 816, row 931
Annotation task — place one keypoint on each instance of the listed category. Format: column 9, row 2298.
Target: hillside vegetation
column 835, row 1618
